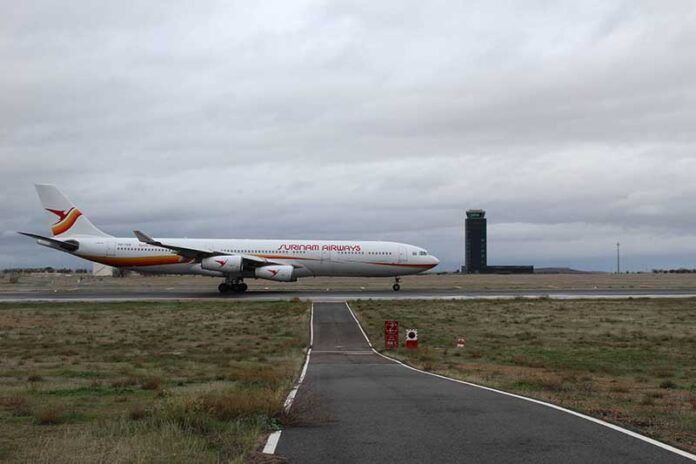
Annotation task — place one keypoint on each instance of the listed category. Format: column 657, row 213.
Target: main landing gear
column 396, row 287
column 234, row 286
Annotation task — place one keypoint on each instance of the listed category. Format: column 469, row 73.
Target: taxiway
column 376, row 410
column 338, row 295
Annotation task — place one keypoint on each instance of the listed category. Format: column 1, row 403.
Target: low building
column 102, row 270
column 509, row 270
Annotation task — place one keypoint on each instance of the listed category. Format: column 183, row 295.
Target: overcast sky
column 572, row 123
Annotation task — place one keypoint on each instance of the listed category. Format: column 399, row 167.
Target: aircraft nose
column 434, row 261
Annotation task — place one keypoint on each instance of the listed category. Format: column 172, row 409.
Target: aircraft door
column 327, row 266
column 110, row 247
column 403, row 254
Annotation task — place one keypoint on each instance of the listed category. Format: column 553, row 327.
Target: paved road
column 378, row 411
column 336, row 295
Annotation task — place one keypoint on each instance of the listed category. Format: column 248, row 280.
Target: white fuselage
column 308, row 257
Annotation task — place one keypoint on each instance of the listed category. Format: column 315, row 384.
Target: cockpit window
column 423, row 253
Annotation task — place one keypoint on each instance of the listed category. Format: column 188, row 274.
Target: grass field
column 145, row 382
column 630, row 362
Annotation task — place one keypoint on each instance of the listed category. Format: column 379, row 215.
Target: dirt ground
column 550, row 282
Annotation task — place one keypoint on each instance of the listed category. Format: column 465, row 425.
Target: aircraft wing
column 199, row 253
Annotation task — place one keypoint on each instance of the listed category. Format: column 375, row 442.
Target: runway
column 336, row 295
column 369, row 409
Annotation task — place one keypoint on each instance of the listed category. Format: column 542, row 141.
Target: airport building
column 102, row 270
column 475, row 240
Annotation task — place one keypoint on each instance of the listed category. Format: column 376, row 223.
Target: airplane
column 232, row 259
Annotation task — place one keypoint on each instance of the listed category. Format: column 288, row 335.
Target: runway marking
column 274, row 437
column 343, row 352
column 272, row 442
column 659, row 444
column 360, row 327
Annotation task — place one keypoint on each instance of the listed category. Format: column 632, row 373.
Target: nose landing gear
column 234, row 286
column 396, row 287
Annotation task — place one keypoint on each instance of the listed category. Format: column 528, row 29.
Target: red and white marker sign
column 461, row 342
column 391, row 335
column 412, row 338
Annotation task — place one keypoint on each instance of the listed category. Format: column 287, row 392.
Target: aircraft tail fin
column 65, row 218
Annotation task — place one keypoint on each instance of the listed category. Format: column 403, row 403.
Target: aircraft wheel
column 396, row 287
column 243, row 287
column 223, row 288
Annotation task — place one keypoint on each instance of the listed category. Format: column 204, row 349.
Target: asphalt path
column 365, row 408
column 337, row 295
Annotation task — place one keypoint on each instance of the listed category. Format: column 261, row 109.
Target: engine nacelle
column 226, row 264
column 280, row 273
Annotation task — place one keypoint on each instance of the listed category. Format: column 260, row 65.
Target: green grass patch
column 607, row 360
column 89, row 391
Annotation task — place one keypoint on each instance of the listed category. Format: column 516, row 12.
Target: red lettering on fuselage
column 315, row 247
column 353, row 248
column 298, row 247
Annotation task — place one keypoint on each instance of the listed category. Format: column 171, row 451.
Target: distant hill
column 561, row 270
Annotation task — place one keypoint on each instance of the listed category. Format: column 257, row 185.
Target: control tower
column 475, row 236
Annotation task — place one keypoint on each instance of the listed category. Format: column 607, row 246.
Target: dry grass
column 50, row 415
column 144, row 382
column 631, row 362
column 17, row 405
column 231, row 404
column 119, row 441
column 152, row 383
column 138, row 412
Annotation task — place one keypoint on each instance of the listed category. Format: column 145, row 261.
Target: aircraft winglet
column 143, row 237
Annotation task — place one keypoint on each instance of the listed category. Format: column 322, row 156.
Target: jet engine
column 223, row 263
column 280, row 273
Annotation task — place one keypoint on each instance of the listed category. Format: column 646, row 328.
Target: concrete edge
column 274, row 437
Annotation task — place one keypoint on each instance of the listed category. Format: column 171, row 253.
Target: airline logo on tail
column 66, row 219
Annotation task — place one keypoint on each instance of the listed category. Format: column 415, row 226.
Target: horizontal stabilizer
column 68, row 245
